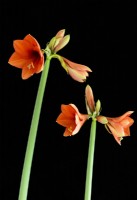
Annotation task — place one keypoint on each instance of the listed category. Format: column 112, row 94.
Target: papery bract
column 118, row 126
column 28, row 56
column 71, row 118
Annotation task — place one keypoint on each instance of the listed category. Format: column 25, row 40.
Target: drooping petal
column 126, row 122
column 117, row 137
column 120, row 118
column 119, row 130
column 77, row 66
column 119, row 127
column 76, row 75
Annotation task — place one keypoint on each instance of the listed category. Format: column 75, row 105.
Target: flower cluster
column 73, row 120
column 29, row 56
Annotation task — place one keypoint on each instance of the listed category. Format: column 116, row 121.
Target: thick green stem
column 32, row 134
column 89, row 173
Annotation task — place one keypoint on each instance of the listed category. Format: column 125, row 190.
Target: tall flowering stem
column 33, row 133
column 90, row 161
column 29, row 57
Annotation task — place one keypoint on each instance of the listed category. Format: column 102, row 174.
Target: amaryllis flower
column 77, row 71
column 28, row 56
column 71, row 118
column 59, row 41
column 119, row 127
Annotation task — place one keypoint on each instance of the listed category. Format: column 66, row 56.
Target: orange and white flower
column 77, row 71
column 71, row 118
column 119, row 127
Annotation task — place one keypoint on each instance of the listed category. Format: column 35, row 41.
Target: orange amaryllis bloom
column 59, row 41
column 118, row 126
column 71, row 118
column 77, row 71
column 28, row 56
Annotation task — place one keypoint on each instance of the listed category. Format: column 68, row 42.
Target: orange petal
column 77, row 66
column 17, row 60
column 23, row 48
column 76, row 75
column 64, row 121
column 26, row 72
column 120, row 118
column 67, row 110
column 38, row 64
column 32, row 40
column 127, row 122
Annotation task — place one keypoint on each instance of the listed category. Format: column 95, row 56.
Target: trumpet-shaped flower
column 59, row 41
column 77, row 71
column 119, row 127
column 71, row 118
column 28, row 56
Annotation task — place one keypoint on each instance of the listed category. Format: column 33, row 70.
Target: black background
column 103, row 37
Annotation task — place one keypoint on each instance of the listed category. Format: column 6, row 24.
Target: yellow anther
column 70, row 129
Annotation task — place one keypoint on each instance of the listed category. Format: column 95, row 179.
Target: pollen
column 70, row 129
column 30, row 66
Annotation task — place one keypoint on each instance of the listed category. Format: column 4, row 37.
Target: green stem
column 32, row 134
column 89, row 173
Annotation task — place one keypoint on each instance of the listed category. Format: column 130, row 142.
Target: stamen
column 70, row 129
column 30, row 66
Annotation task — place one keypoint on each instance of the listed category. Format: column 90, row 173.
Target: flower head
column 58, row 41
column 77, row 71
column 118, row 126
column 28, row 56
column 71, row 118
